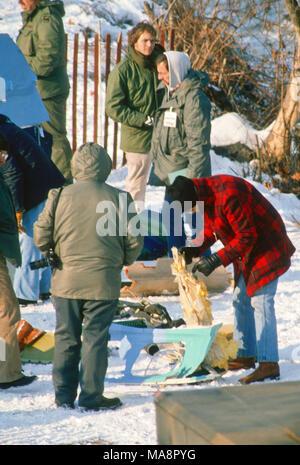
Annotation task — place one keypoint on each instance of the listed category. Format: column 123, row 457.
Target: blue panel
column 23, row 104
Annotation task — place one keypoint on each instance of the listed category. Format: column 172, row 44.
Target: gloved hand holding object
column 207, row 265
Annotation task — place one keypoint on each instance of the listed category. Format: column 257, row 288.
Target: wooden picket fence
column 89, row 62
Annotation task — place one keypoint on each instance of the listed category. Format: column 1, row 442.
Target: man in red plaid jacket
column 256, row 243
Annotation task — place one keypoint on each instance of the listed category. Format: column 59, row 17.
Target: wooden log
column 158, row 279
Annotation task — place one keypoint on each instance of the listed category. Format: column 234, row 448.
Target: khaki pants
column 61, row 149
column 138, row 171
column 10, row 367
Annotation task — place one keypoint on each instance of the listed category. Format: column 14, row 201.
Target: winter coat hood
column 91, row 162
column 180, row 70
column 179, row 65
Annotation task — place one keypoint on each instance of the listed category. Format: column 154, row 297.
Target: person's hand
column 207, row 265
column 189, row 253
column 53, row 259
column 149, row 122
column 19, row 216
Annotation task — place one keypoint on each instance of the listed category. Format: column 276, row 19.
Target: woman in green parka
column 183, row 140
column 181, row 133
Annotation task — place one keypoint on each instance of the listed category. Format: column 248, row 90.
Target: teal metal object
column 197, row 342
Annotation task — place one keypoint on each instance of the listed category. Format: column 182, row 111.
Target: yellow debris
column 197, row 312
column 192, row 294
column 221, row 350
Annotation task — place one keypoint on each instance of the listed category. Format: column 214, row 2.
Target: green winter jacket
column 131, row 97
column 188, row 144
column 42, row 41
column 91, row 235
column 9, row 236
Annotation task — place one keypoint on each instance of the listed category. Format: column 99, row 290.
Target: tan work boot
column 241, row 362
column 265, row 370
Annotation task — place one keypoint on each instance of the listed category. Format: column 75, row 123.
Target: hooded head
column 91, row 162
column 183, row 189
column 178, row 65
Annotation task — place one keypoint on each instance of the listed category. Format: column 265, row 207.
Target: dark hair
column 162, row 58
column 135, row 33
column 183, row 189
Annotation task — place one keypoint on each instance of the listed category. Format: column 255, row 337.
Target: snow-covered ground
column 28, row 415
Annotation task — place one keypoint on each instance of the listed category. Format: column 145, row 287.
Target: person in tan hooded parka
column 90, row 235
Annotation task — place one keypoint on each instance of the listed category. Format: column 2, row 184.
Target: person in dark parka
column 29, row 174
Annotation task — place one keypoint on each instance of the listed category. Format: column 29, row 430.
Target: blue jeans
column 29, row 284
column 255, row 327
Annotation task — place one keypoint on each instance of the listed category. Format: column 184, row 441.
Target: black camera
column 51, row 259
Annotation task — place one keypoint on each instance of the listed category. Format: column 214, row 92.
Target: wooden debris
column 197, row 312
column 193, row 294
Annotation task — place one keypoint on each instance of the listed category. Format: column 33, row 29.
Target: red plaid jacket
column 251, row 230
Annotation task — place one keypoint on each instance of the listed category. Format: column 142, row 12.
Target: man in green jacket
column 92, row 239
column 132, row 101
column 11, row 374
column 42, row 42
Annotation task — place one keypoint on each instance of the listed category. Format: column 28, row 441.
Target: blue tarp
column 19, row 98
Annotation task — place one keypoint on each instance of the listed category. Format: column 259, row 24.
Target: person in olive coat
column 42, row 42
column 132, row 101
column 92, row 238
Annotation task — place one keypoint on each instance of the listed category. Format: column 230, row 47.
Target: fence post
column 74, row 107
column 162, row 37
column 85, row 79
column 171, row 39
column 107, row 70
column 116, row 125
column 96, row 86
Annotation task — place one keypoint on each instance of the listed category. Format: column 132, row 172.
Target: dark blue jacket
column 28, row 172
column 9, row 236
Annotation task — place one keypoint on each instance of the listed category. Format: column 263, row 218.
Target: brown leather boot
column 265, row 370
column 241, row 362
